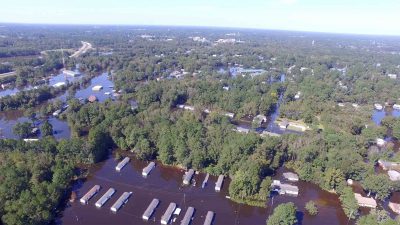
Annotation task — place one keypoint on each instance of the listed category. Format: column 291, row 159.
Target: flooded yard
column 165, row 184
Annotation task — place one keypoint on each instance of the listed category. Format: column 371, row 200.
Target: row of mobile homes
column 121, row 201
column 209, row 218
column 122, row 164
column 291, row 176
column 150, row 209
column 188, row 177
column 364, row 201
column 85, row 199
column 146, row 171
column 168, row 213
column 105, row 198
column 188, row 216
column 219, row 183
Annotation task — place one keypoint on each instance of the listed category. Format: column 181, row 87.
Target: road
column 86, row 46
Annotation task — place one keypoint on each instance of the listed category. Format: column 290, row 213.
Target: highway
column 86, row 46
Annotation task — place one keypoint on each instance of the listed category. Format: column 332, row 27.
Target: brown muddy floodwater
column 165, row 183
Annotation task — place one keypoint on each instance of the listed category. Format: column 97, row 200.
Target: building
column 188, row 216
column 188, row 177
column 92, row 98
column 85, row 199
column 57, row 112
column 150, row 209
column 297, row 96
column 242, row 130
column 218, row 184
column 59, row 84
column 259, row 119
column 364, row 201
column 396, row 106
column 121, row 164
column 121, row 201
column 168, row 213
column 284, row 189
column 97, row 88
column 209, row 218
column 71, row 73
column 186, row 107
column 291, row 176
column 392, row 76
column 105, row 198
column 386, row 165
column 380, row 142
column 203, row 185
column 394, row 175
column 226, row 88
column 395, row 207
column 230, row 115
column 146, row 171
column 378, row 106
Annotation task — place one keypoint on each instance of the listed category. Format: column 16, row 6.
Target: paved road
column 86, row 46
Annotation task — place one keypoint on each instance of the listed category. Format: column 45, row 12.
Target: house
column 219, row 183
column 92, row 98
column 105, row 198
column 395, row 207
column 380, row 142
column 168, row 213
column 378, row 106
column 146, row 171
column 341, row 104
column 85, row 199
column 396, row 106
column 57, row 112
column 392, row 76
column 71, row 73
column 355, row 105
column 364, row 201
column 283, row 189
column 284, row 124
column 228, row 114
column 242, row 130
column 121, row 201
column 59, row 84
column 386, row 165
column 122, row 164
column 394, row 175
column 150, row 209
column 187, row 219
column 209, row 218
column 297, row 96
column 188, row 177
column 97, row 88
column 291, row 176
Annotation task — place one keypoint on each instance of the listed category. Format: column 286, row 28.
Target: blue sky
column 339, row 16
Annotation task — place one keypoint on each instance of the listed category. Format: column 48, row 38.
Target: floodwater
column 9, row 119
column 165, row 183
column 379, row 115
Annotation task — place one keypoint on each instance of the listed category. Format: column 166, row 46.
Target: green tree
column 23, row 130
column 284, row 214
column 311, row 208
column 380, row 185
column 47, row 128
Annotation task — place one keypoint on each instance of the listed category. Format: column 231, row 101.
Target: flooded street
column 379, row 115
column 165, row 183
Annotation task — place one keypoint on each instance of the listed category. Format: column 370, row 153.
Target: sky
column 336, row 16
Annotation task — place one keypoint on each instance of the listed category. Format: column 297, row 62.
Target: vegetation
column 284, row 214
column 311, row 208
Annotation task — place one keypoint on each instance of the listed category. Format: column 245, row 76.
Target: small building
column 242, row 130
column 394, row 175
column 392, row 76
column 105, row 198
column 188, row 216
column 85, row 199
column 35, row 130
column 97, row 88
column 121, row 164
column 121, row 201
column 341, row 104
column 92, row 98
column 395, row 207
column 146, row 171
column 203, row 185
column 226, row 88
column 396, row 106
column 291, row 176
column 284, row 189
column 209, row 218
column 168, row 213
column 150, row 209
column 284, row 124
column 57, row 112
column 59, row 84
column 297, row 95
column 230, row 115
column 378, row 106
column 218, row 184
column 71, row 73
column 188, row 176
column 355, row 105
column 364, row 201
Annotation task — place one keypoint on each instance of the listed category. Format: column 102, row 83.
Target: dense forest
column 161, row 69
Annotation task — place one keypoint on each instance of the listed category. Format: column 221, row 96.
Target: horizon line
column 201, row 26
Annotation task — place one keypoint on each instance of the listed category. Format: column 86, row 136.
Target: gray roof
column 168, row 213
column 121, row 200
column 209, row 218
column 188, row 176
column 105, row 197
column 150, row 209
column 188, row 216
